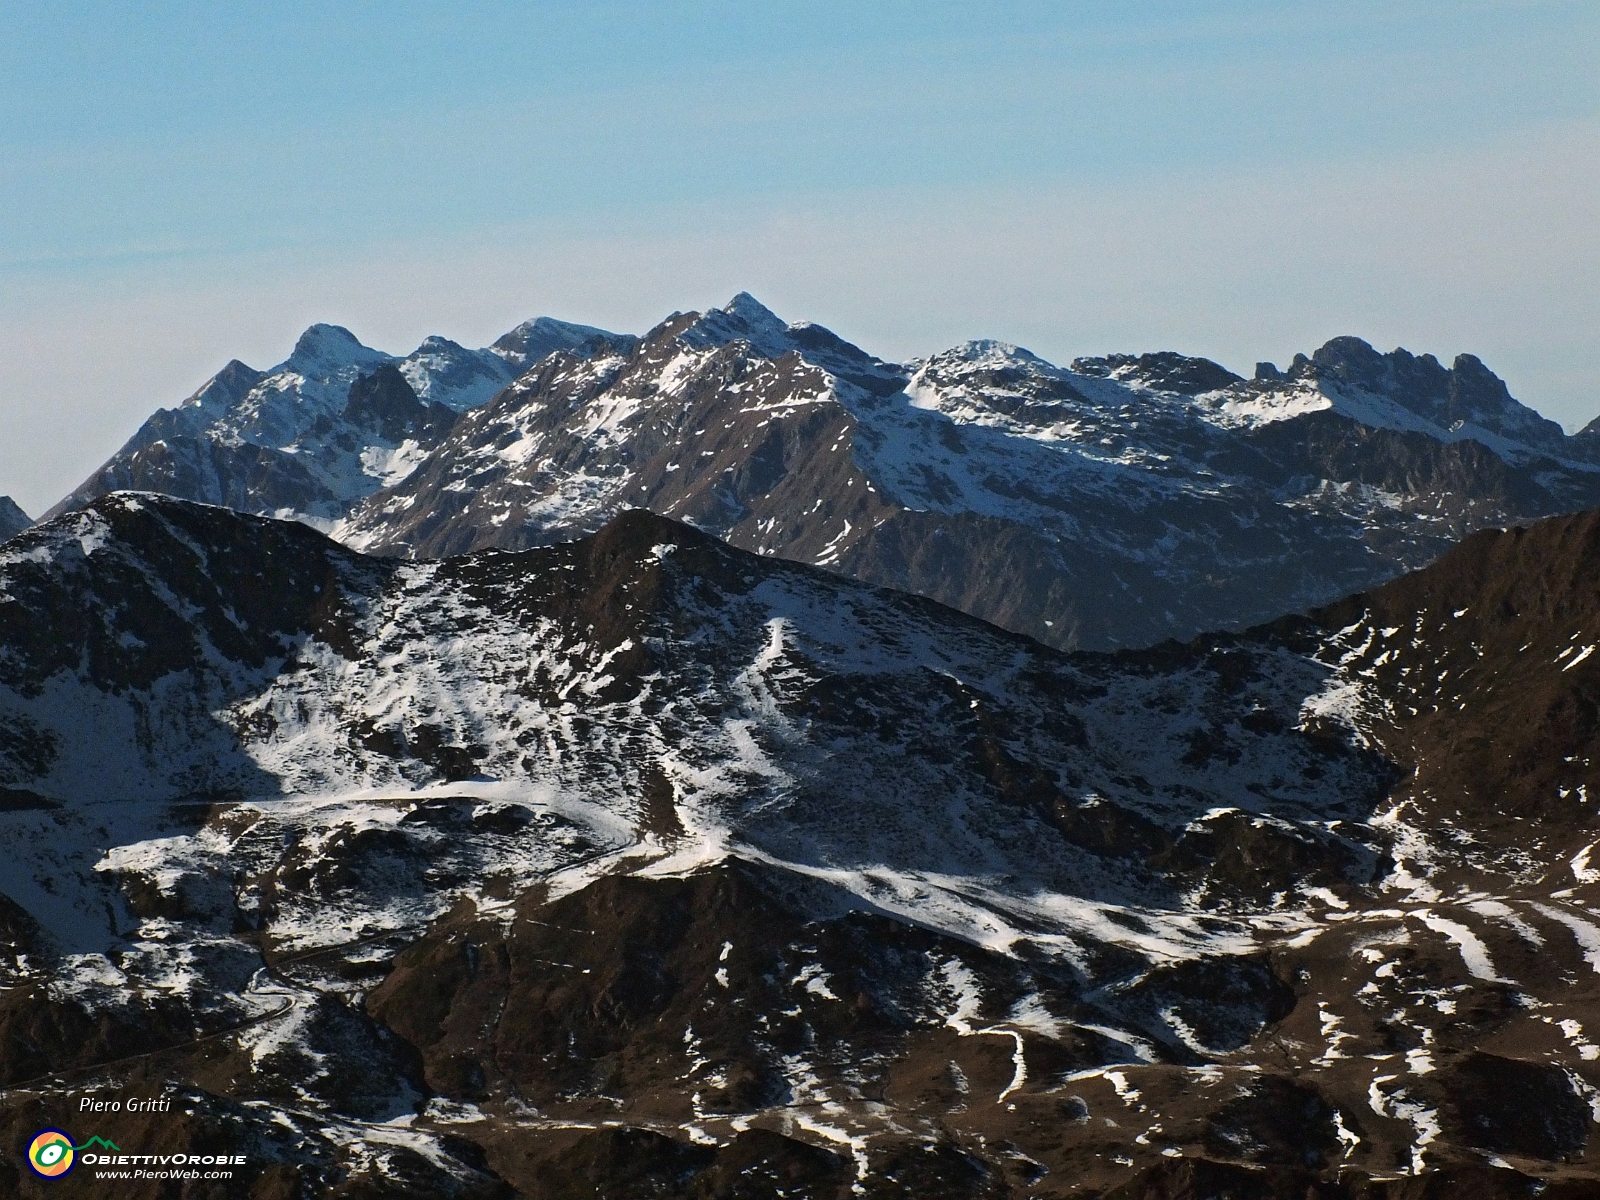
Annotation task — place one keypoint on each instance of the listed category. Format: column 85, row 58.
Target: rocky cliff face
column 1113, row 504
column 645, row 865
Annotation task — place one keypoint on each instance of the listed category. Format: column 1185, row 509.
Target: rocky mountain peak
column 748, row 309
column 228, row 387
column 1474, row 388
column 533, row 340
column 434, row 344
column 1465, row 394
column 448, row 372
column 237, row 377
column 12, row 519
column 744, row 318
column 989, row 351
column 385, row 403
column 323, row 350
column 1354, row 361
column 993, row 376
column 1162, row 371
column 278, row 441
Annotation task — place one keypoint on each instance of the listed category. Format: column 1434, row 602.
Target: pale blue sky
column 185, row 183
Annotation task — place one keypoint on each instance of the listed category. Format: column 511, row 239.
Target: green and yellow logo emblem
column 51, row 1153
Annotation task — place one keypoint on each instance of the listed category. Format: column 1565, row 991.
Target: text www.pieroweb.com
column 162, row 1166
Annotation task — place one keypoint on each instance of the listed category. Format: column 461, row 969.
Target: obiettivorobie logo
column 51, row 1154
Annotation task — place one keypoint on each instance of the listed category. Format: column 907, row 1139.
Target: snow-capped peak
column 447, row 372
column 533, row 340
column 989, row 375
column 990, row 351
column 434, row 344
column 753, row 313
column 1401, row 390
column 278, row 441
column 325, row 350
column 744, row 318
column 224, row 389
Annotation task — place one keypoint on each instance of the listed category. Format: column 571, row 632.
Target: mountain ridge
column 982, row 476
column 993, row 481
column 277, row 441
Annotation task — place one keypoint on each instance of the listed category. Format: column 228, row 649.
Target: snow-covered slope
column 1115, row 503
column 644, row 854
column 292, row 687
column 287, row 441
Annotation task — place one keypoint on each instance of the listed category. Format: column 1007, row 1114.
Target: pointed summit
column 12, row 519
column 237, row 377
column 743, row 319
column 224, row 389
column 753, row 313
column 746, row 319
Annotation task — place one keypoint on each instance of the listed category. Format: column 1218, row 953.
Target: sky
column 186, row 183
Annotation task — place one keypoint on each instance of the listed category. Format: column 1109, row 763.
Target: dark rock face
column 1163, row 371
column 1531, row 1110
column 116, row 618
column 1465, row 393
column 12, row 519
column 1275, row 1122
column 644, row 865
column 1491, row 631
column 385, row 403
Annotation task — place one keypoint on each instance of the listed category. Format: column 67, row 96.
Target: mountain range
column 331, row 423
column 1115, row 502
column 722, row 763
column 645, row 865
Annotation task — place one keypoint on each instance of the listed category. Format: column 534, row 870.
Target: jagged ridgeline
column 644, row 865
column 1113, row 503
